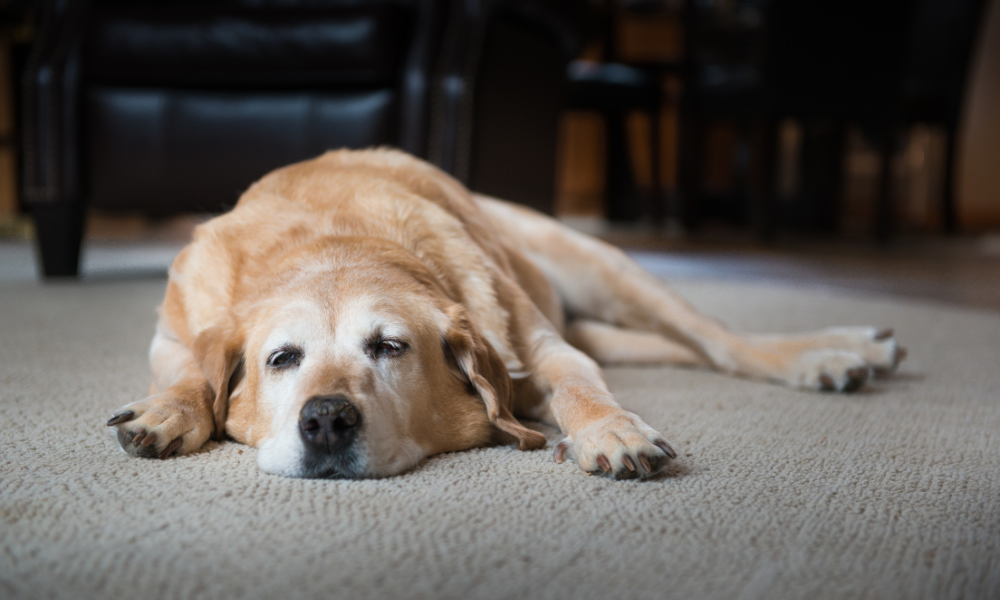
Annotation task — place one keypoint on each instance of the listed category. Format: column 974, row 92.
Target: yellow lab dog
column 359, row 312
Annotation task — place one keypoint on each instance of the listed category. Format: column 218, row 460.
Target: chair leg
column 657, row 209
column 949, row 220
column 622, row 201
column 689, row 177
column 884, row 212
column 764, row 213
column 59, row 229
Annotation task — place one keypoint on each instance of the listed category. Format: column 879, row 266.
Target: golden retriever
column 358, row 312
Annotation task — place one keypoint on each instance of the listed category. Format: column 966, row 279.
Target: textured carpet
column 889, row 493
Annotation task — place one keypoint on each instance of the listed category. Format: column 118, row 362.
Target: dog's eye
column 386, row 348
column 284, row 357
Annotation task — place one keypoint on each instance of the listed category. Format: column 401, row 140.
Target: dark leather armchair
column 168, row 107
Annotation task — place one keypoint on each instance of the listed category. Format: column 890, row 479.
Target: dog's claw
column 827, row 383
column 884, row 334
column 171, row 448
column 644, row 463
column 667, row 448
column 139, row 436
column 560, row 452
column 900, row 355
column 602, row 461
column 126, row 416
column 148, row 440
column 855, row 378
column 627, row 461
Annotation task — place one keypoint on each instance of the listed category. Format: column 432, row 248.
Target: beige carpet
column 890, row 493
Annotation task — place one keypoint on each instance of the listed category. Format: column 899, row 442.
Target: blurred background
column 852, row 143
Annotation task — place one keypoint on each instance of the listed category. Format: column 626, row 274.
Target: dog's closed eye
column 385, row 347
column 285, row 357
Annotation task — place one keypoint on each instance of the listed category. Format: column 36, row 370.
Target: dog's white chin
column 285, row 456
column 281, row 456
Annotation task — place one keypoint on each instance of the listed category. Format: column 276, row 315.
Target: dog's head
column 352, row 361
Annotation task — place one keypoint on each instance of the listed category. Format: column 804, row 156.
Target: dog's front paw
column 161, row 425
column 620, row 445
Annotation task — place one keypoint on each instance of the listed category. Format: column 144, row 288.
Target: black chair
column 721, row 73
column 822, row 62
column 935, row 76
column 613, row 90
column 166, row 107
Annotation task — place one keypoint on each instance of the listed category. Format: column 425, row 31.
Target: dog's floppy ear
column 477, row 363
column 219, row 352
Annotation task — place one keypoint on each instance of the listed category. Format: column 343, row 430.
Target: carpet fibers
column 893, row 492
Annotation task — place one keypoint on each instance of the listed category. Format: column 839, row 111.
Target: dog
column 358, row 312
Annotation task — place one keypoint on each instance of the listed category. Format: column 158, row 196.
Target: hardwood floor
column 962, row 271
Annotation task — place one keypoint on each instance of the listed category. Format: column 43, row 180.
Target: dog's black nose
column 329, row 423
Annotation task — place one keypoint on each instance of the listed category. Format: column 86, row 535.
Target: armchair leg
column 690, row 168
column 622, row 202
column 764, row 214
column 59, row 229
column 885, row 211
column 949, row 220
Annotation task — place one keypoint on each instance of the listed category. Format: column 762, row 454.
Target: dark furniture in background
column 826, row 63
column 613, row 89
column 167, row 107
column 829, row 63
column 942, row 37
column 162, row 107
column 823, row 62
column 500, row 90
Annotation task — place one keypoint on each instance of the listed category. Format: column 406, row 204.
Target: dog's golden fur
column 471, row 297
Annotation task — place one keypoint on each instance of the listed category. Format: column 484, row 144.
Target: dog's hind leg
column 608, row 344
column 599, row 282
